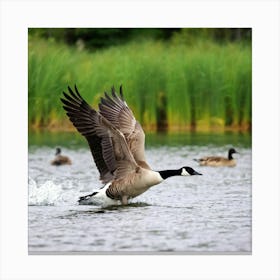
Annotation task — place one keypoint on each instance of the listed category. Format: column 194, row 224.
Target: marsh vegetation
column 200, row 85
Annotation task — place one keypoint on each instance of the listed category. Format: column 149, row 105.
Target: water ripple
column 209, row 213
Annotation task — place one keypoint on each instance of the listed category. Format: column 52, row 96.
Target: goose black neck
column 230, row 155
column 169, row 173
column 58, row 151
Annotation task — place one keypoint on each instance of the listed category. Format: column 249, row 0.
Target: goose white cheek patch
column 184, row 172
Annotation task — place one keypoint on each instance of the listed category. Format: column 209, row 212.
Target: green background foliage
column 173, row 79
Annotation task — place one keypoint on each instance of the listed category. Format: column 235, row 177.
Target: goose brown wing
column 115, row 110
column 211, row 158
column 108, row 146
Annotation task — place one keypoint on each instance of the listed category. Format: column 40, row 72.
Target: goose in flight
column 60, row 159
column 116, row 140
column 218, row 161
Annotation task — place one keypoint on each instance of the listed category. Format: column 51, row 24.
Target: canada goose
column 116, row 141
column 218, row 161
column 60, row 159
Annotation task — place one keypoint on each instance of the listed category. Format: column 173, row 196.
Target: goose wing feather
column 212, row 158
column 107, row 144
column 115, row 110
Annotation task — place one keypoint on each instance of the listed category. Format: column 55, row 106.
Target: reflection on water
column 209, row 213
column 74, row 139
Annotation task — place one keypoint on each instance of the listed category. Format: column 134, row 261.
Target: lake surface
column 198, row 214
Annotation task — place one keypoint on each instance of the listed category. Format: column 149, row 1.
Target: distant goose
column 116, row 141
column 60, row 159
column 218, row 161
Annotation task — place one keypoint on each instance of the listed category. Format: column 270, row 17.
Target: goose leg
column 124, row 200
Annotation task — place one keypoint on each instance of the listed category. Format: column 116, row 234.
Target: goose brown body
column 60, row 159
column 219, row 161
column 141, row 181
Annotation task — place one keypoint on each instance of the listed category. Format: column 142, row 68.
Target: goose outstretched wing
column 108, row 145
column 114, row 108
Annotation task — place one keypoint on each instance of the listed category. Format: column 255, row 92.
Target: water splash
column 50, row 193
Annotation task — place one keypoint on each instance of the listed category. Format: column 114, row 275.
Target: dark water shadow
column 102, row 210
column 117, row 208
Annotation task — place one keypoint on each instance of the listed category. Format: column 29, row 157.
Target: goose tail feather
column 98, row 198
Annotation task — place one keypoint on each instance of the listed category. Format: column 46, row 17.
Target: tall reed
column 203, row 86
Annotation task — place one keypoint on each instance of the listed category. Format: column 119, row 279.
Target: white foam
column 49, row 193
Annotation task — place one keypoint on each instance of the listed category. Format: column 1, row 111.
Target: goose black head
column 58, row 151
column 230, row 152
column 188, row 171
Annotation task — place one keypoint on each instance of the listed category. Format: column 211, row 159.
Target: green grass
column 205, row 86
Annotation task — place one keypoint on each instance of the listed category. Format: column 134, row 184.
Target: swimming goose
column 218, row 161
column 116, row 140
column 60, row 159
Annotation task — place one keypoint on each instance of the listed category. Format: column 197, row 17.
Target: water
column 198, row 214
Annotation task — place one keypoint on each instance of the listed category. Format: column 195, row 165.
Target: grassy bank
column 205, row 86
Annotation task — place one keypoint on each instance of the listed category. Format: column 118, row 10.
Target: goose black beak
column 196, row 173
